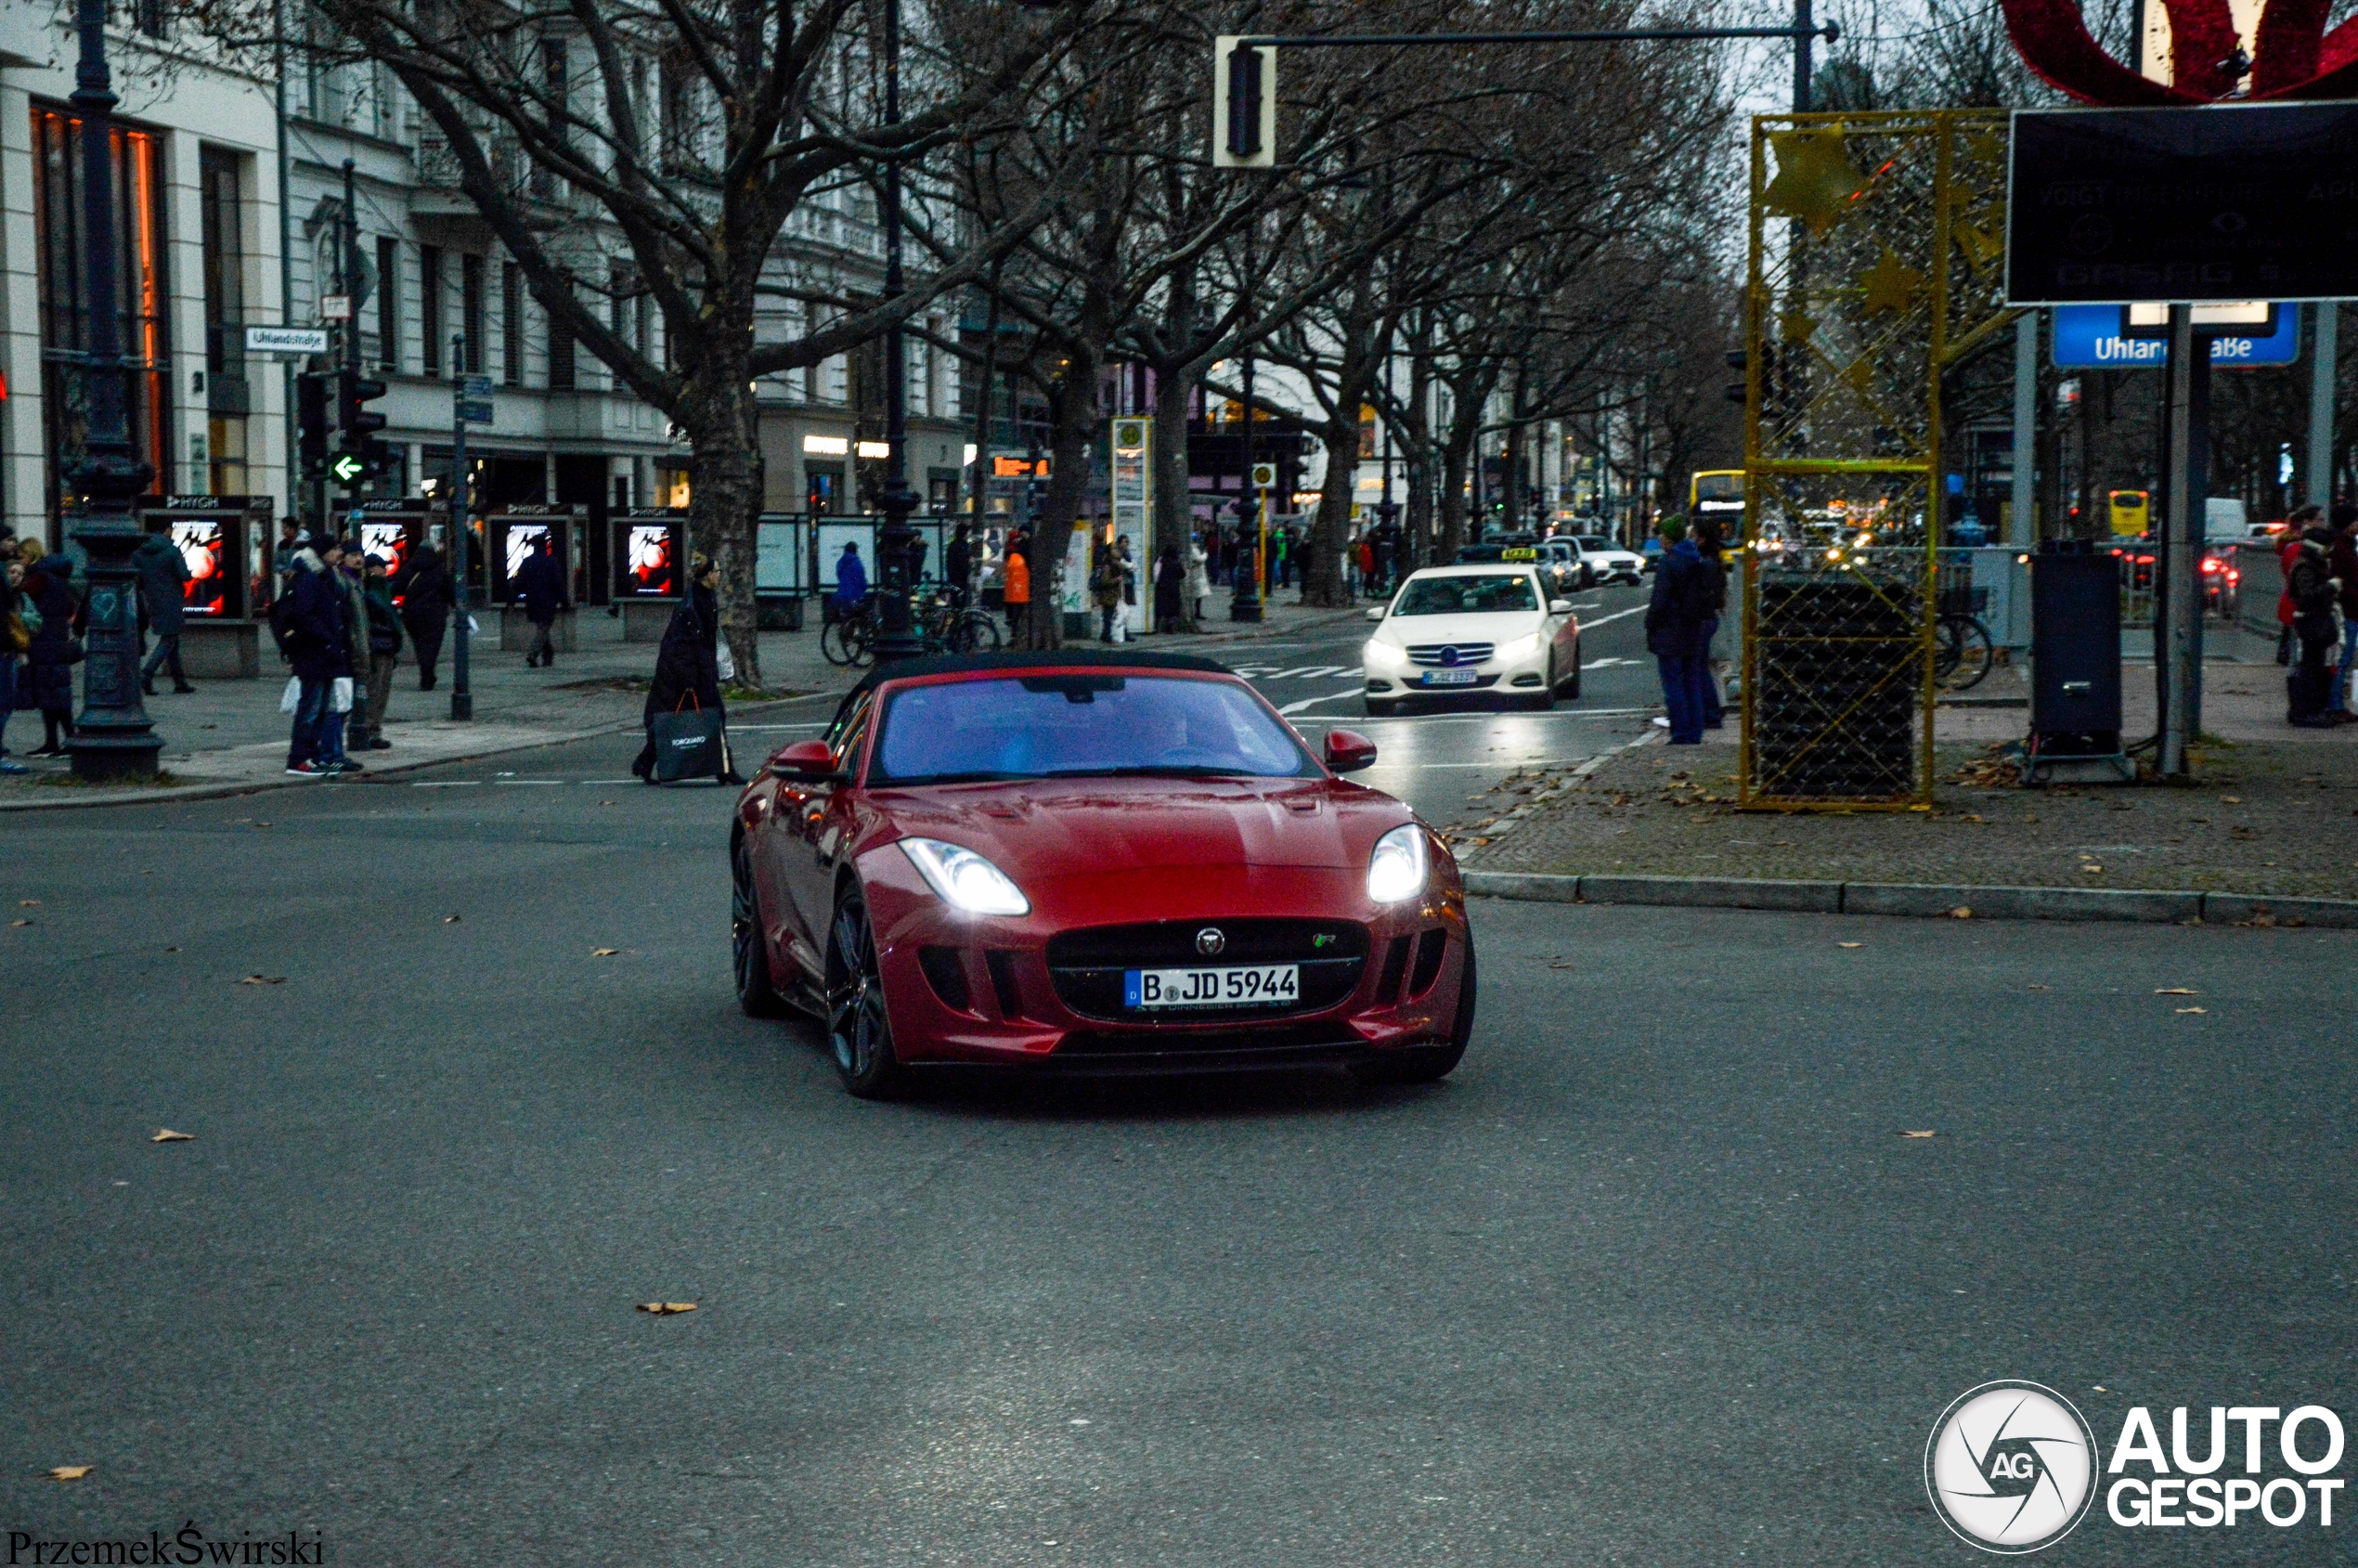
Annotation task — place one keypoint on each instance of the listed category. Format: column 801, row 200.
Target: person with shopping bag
column 687, row 728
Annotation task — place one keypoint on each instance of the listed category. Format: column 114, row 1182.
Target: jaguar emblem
column 1210, row 942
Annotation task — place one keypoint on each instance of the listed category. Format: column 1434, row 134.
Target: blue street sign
column 475, row 410
column 2087, row 338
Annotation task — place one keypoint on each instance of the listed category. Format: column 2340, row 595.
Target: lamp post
column 112, row 738
column 895, row 630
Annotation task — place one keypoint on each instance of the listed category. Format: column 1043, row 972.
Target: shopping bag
column 687, row 744
column 725, row 665
column 293, row 696
column 340, row 695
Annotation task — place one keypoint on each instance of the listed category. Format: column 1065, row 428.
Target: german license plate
column 1451, row 676
column 1235, row 985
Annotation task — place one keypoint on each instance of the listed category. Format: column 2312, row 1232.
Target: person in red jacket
column 2289, row 551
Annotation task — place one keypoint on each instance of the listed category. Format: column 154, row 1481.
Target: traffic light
column 362, row 456
column 1244, row 105
column 1735, row 392
column 311, row 421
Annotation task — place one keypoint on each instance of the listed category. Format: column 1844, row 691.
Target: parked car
column 1480, row 630
column 1603, row 561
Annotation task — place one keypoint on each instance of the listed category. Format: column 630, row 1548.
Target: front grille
column 1209, row 1042
column 1088, row 967
column 947, row 975
column 1436, row 655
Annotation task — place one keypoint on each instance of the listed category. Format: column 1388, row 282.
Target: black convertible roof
column 1033, row 658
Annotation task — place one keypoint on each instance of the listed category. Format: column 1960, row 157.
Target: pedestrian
column 958, row 564
column 50, row 650
column 384, row 646
column 1674, row 617
column 851, row 581
column 2316, row 594
column 688, row 667
column 1171, row 589
column 15, row 638
column 1105, row 590
column 1363, row 556
column 1707, row 548
column 1198, row 581
column 427, row 596
column 312, row 640
column 346, row 725
column 291, row 541
column 2297, row 524
column 1016, row 583
column 1127, row 564
column 163, row 597
column 540, row 587
column 2342, row 561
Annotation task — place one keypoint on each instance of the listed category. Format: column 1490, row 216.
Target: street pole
column 1245, row 602
column 896, row 631
column 1803, row 30
column 463, row 698
column 2022, row 525
column 349, row 250
column 2178, row 619
column 2326, row 360
column 112, row 738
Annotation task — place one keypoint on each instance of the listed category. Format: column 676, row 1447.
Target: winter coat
column 1104, row 583
column 958, row 563
column 355, row 622
column 426, row 591
column 46, row 682
column 384, row 624
column 2343, row 560
column 1681, row 603
column 1017, row 578
column 540, row 588
column 1199, row 574
column 163, row 577
column 319, row 648
column 852, row 582
column 688, row 663
column 2311, row 584
column 1171, row 589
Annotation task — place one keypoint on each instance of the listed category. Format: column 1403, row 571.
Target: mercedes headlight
column 1384, row 653
column 1521, row 648
column 965, row 879
column 1396, row 870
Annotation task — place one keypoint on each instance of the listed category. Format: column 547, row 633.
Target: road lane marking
column 1633, row 609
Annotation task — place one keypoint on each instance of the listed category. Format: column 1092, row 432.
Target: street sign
column 2221, row 202
column 1264, row 475
column 475, row 410
column 346, row 467
column 335, row 307
column 474, row 386
column 286, row 340
column 2098, row 337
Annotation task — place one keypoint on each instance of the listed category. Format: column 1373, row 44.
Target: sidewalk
column 229, row 738
column 2274, row 811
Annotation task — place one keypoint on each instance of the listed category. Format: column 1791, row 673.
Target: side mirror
column 1376, row 614
column 1559, row 606
column 803, row 759
column 1347, row 752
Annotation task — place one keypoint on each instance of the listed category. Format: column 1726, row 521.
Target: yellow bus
column 1718, row 494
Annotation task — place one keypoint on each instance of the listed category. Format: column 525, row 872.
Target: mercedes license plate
column 1238, row 986
column 1451, row 677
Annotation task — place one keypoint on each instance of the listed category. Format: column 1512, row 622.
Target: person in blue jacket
column 851, row 580
column 1674, row 617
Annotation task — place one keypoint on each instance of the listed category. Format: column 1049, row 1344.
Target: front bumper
column 1528, row 673
column 975, row 991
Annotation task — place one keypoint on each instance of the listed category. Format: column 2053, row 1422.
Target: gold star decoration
column 1980, row 247
column 1796, row 327
column 1890, row 284
column 1815, row 181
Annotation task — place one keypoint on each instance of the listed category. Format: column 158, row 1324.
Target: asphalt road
column 1654, row 1280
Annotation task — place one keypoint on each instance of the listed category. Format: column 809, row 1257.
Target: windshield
column 1717, row 486
column 1470, row 593
column 1062, row 726
column 1590, row 541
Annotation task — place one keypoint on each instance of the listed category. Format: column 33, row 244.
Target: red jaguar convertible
column 1094, row 862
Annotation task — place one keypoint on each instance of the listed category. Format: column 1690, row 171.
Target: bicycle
column 848, row 639
column 942, row 627
column 1962, row 651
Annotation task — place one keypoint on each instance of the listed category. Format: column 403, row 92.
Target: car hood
column 1040, row 829
column 1403, row 632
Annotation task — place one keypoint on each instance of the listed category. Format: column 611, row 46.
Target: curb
column 1921, row 900
column 220, row 789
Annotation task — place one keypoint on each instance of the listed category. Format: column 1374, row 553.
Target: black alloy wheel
column 859, row 1031
column 748, row 948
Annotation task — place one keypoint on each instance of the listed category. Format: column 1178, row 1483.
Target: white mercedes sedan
column 1601, row 560
column 1472, row 631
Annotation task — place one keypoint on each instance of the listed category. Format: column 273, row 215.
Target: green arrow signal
column 346, row 468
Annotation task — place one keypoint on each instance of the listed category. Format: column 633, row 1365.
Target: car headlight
column 1386, row 655
column 1396, row 870
column 1521, row 648
column 965, row 879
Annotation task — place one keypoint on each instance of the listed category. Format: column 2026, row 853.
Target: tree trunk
column 1416, row 527
column 1074, row 402
column 1511, row 484
column 1323, row 584
column 724, row 505
column 1453, row 503
column 1175, row 513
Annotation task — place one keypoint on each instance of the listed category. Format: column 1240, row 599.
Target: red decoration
column 2296, row 58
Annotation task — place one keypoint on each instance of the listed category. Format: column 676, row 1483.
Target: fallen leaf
column 261, row 824
column 28, row 903
column 172, row 950
column 69, row 1472
column 1928, row 1132
column 665, row 1309
column 451, row 920
column 1963, row 912
column 2194, row 1009
column 1850, row 944
column 263, row 980
column 1562, row 966
column 1969, row 817
column 166, row 1135
column 20, row 922
column 604, row 952
column 2231, row 801
column 2087, row 868
column 2176, row 991
column 2042, row 988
